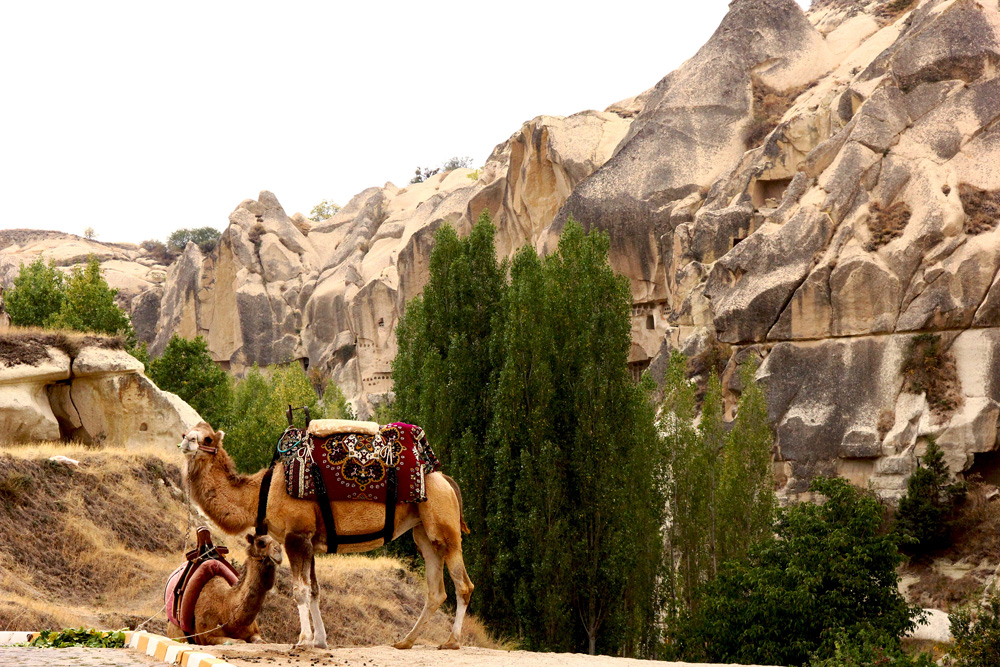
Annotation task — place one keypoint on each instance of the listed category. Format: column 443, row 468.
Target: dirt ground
column 280, row 655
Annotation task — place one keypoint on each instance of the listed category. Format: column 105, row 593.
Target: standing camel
column 230, row 500
column 223, row 612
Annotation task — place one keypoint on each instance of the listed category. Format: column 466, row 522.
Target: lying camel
column 230, row 500
column 225, row 613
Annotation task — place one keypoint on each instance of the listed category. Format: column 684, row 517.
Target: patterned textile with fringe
column 355, row 465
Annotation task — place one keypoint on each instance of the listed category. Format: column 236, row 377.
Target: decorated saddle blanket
column 356, row 463
column 184, row 585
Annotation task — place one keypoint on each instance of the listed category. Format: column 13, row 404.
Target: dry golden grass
column 94, row 545
column 886, row 224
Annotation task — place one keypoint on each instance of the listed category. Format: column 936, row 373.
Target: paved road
column 73, row 657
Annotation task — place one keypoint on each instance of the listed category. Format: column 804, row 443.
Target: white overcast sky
column 137, row 118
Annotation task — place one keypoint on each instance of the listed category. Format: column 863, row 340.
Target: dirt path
column 281, row 655
column 73, row 657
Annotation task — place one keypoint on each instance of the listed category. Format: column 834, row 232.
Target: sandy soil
column 244, row 655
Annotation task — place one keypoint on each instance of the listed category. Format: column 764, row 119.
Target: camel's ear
column 249, row 539
column 219, row 435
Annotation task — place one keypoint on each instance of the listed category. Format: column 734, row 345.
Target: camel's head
column 264, row 546
column 203, row 438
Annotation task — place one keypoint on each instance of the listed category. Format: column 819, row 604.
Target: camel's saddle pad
column 185, row 584
column 356, row 461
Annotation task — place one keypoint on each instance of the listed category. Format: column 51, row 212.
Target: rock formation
column 817, row 190
column 72, row 386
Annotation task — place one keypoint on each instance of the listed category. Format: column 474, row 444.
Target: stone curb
column 155, row 646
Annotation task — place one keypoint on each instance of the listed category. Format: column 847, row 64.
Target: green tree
column 334, row 405
column 721, row 496
column 89, row 233
column 829, row 574
column 443, row 371
column 186, row 368
column 89, row 304
column 323, row 210
column 926, row 512
column 258, row 415
column 206, row 238
column 37, row 295
column 582, row 458
column 746, row 501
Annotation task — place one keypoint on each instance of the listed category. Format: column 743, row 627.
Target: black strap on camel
column 333, row 539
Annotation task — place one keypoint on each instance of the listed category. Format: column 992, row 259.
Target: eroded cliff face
column 816, row 190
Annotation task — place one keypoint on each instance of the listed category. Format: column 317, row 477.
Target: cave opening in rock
column 768, row 194
column 986, row 467
column 650, row 322
column 305, row 363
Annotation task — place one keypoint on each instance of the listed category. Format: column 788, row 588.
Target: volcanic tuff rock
column 820, row 191
column 56, row 386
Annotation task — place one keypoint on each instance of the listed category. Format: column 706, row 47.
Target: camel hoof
column 319, row 645
column 451, row 646
column 403, row 645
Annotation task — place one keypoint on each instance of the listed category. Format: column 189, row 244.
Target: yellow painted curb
column 155, row 646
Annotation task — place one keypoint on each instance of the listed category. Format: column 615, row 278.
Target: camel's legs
column 434, row 567
column 463, row 593
column 299, row 550
column 317, row 620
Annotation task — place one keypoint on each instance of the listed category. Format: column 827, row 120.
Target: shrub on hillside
column 205, row 238
column 829, row 573
column 927, row 511
column 89, row 304
column 37, row 294
column 977, row 636
column 870, row 649
column 186, row 368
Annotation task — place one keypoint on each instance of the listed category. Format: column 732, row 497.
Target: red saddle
column 185, row 584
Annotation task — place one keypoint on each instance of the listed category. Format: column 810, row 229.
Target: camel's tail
column 458, row 492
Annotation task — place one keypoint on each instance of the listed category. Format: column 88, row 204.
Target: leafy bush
column 89, row 304
column 37, row 294
column 71, row 637
column 423, row 173
column 927, row 511
column 977, row 636
column 829, row 574
column 158, row 250
column 869, row 649
column 186, row 368
column 258, row 414
column 323, row 210
column 205, row 238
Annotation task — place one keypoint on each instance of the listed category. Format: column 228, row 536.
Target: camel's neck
column 227, row 497
column 247, row 596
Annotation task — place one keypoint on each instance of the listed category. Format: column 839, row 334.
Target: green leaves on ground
column 71, row 637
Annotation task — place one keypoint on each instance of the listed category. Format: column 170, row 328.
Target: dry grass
column 94, row 545
column 893, row 9
column 930, row 370
column 886, row 224
column 982, row 208
column 769, row 105
column 28, row 345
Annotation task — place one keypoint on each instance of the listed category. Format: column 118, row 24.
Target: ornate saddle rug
column 355, row 460
column 184, row 584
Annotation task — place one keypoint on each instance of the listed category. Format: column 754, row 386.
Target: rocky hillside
column 817, row 189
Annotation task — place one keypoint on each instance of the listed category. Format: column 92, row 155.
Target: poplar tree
column 443, row 372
